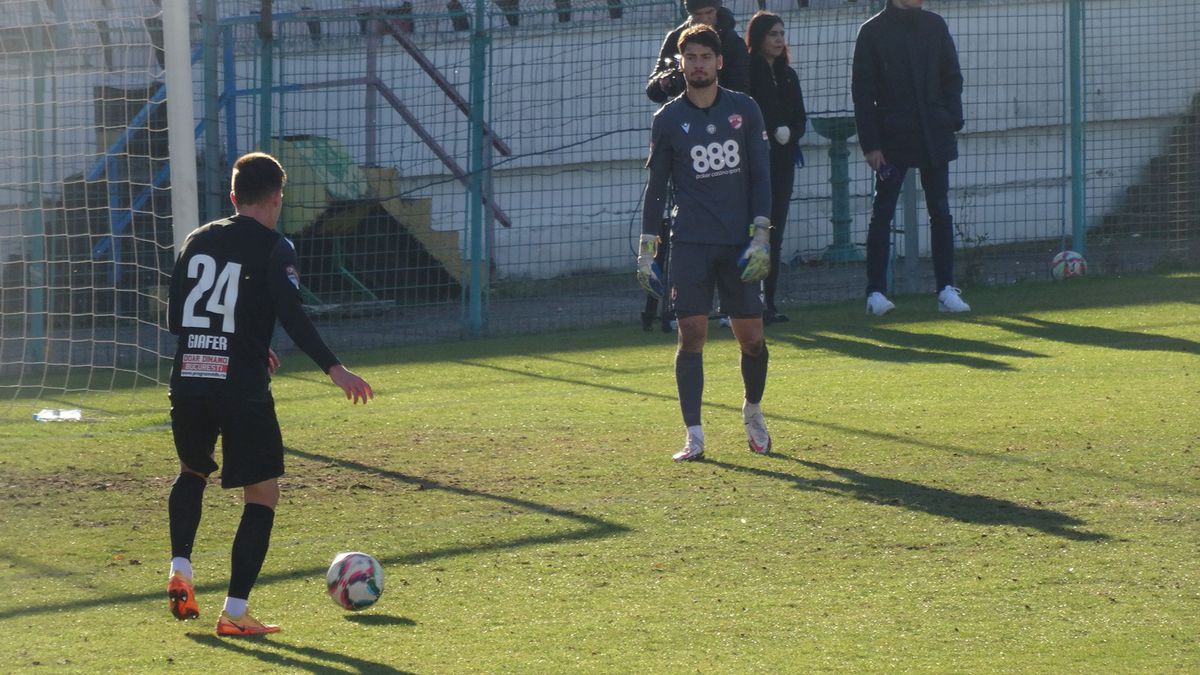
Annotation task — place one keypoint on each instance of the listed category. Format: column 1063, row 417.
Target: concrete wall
column 569, row 102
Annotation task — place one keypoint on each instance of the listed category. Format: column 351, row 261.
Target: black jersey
column 717, row 160
column 233, row 278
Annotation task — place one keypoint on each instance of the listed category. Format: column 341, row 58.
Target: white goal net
column 85, row 229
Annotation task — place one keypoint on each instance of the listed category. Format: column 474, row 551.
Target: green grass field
column 1016, row 490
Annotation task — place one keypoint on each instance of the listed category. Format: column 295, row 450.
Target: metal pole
column 266, row 75
column 477, row 236
column 371, row 101
column 181, row 122
column 230, row 86
column 35, row 227
column 1078, row 184
column 212, row 112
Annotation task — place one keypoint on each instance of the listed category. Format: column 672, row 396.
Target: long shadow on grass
column 886, row 344
column 592, row 528
column 1093, row 335
column 265, row 648
column 913, row 441
column 966, row 508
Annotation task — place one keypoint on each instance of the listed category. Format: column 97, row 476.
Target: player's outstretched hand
column 355, row 387
column 272, row 361
column 756, row 260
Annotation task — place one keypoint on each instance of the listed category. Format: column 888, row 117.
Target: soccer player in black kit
column 234, row 277
column 710, row 144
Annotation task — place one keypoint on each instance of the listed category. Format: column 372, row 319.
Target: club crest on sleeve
column 293, row 276
column 764, row 136
column 735, row 121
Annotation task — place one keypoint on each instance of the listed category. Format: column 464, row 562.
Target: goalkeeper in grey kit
column 710, row 145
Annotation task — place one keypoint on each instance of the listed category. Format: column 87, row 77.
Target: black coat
column 733, row 58
column 777, row 91
column 907, row 88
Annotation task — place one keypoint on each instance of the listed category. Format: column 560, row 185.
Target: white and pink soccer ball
column 1067, row 265
column 355, row 580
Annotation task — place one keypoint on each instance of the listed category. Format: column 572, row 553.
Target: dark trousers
column 783, row 177
column 935, row 181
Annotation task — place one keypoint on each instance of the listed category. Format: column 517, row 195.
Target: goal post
column 181, row 122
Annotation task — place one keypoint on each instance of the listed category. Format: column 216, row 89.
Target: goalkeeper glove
column 756, row 260
column 648, row 273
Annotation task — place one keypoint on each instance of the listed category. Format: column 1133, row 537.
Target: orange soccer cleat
column 181, row 597
column 243, row 625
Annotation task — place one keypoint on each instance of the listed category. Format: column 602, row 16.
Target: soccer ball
column 1068, row 264
column 355, row 580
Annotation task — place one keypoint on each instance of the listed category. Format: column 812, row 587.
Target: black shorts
column 695, row 269
column 251, row 445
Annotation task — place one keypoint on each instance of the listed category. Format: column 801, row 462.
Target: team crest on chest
column 711, row 129
column 735, row 121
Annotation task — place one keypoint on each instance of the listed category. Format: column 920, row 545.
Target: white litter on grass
column 58, row 415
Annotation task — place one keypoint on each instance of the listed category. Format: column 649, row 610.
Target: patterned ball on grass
column 1067, row 265
column 355, row 580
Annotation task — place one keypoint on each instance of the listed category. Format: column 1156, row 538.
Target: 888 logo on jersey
column 716, row 157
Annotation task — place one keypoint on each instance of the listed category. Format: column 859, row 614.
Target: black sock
column 689, row 378
column 250, row 549
column 183, row 513
column 754, row 374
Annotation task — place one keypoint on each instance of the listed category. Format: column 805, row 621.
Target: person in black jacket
column 907, row 90
column 775, row 86
column 666, row 80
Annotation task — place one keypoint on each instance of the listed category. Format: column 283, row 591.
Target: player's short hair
column 256, row 176
column 700, row 34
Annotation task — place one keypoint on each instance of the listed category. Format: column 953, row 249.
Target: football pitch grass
column 1012, row 490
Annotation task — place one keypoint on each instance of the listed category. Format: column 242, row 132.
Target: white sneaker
column 757, row 436
column 878, row 304
column 694, row 449
column 950, row 300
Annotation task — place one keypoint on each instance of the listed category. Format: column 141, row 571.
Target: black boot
column 648, row 321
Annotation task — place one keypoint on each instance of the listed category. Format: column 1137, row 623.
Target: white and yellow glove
column 648, row 273
column 756, row 260
column 783, row 135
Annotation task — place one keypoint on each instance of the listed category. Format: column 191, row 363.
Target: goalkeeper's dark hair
column 700, row 34
column 256, row 176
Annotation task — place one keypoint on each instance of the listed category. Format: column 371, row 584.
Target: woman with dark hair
column 776, row 88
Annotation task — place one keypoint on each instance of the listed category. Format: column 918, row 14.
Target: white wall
column 570, row 103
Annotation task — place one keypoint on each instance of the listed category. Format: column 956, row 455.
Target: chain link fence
column 372, row 109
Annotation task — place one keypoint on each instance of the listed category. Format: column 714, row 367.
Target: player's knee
column 755, row 349
column 265, row 493
column 184, row 469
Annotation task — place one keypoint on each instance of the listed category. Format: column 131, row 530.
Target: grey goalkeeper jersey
column 718, row 163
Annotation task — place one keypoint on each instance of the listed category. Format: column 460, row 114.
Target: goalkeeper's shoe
column 757, row 436
column 243, row 625
column 181, row 597
column 694, row 449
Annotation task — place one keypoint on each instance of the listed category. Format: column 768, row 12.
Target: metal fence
column 1082, row 132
